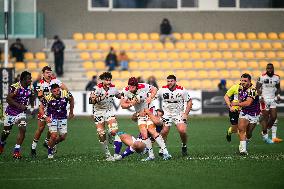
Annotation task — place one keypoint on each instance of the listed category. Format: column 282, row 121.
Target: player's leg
column 182, row 127
column 128, row 141
column 8, row 123
column 273, row 118
column 242, row 128
column 40, row 128
column 112, row 133
column 233, row 116
column 22, row 123
column 142, row 124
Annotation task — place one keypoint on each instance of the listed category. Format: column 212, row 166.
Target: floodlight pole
column 6, row 10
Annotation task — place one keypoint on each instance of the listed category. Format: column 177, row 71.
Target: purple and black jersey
column 22, row 96
column 57, row 107
column 254, row 108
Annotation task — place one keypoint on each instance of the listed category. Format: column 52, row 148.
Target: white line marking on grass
column 38, row 178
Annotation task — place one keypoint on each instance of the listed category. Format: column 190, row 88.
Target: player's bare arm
column 245, row 103
column 12, row 102
column 71, row 114
column 153, row 92
column 187, row 109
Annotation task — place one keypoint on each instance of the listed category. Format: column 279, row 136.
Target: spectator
column 17, row 50
column 111, row 60
column 152, row 81
column 58, row 50
column 90, row 86
column 166, row 31
column 123, row 60
column 140, row 79
column 222, row 85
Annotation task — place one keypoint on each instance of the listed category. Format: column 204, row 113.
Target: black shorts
column 234, row 116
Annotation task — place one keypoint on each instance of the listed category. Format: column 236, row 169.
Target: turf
column 213, row 162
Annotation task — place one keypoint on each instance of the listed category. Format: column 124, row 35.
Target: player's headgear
column 133, row 81
column 172, row 77
column 46, row 68
column 105, row 75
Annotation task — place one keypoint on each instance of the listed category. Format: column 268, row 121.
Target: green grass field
column 214, row 163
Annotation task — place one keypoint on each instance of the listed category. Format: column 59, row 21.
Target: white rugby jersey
column 142, row 93
column 107, row 102
column 269, row 85
column 44, row 86
column 173, row 101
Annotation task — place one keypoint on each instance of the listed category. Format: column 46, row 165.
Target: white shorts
column 10, row 120
column 250, row 118
column 145, row 120
column 58, row 125
column 268, row 104
column 176, row 119
column 103, row 116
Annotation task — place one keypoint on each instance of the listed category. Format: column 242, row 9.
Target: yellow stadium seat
column 261, row 35
column 35, row 75
column 104, row 46
column 125, row 74
column 191, row 74
column 195, row 55
column 220, row 64
column 198, row 65
column 119, row 84
column 177, row 36
column 223, row 45
column 260, row 54
column 276, row 64
column 155, row 65
column 255, row 45
column 181, row 74
column 208, row 36
column 184, row 83
column 158, row 46
column 133, row 65
column 251, row 36
column 187, row 64
column 42, row 64
column 209, row 64
column 99, row 65
column 147, row 74
column 89, row 36
column 144, row 65
column 140, row 55
column 143, row 36
column 85, row 56
column 249, row 54
column 201, row 45
column 281, row 74
column 180, row 45
column 186, row 36
column 90, row 74
column 238, row 54
column 115, row 74
column 234, row 45
column 231, row 65
column 282, row 64
column 202, row 74
column 31, row 65
column 253, row 65
column 151, row 55
column 235, row 74
column 212, row 45
column 115, row 45
column 281, row 35
column 88, row 65
column 266, row 45
column 110, row 36
column 162, row 55
column 197, row 36
column 132, row 36
column 256, row 73
column 272, row 35
column 81, row 46
column 166, row 65
column 121, row 36
column 270, row 54
column 154, row 36
column 276, row 45
column 136, row 46
column 219, row 36
column 280, row 54
column 177, row 65
column 125, row 46
column 213, row 74
column 184, row 55
column 195, row 84
column 242, row 64
column 40, row 56
column 207, row 84
column 216, row 55
column 240, row 36
column 147, row 46
column 224, row 74
column 245, row 45
column 131, row 55
column 227, row 55
column 159, row 75
column 20, row 66
column 97, row 56
column 230, row 36
column 92, row 46
column 262, row 64
column 78, row 36
column 173, row 55
column 205, row 55
column 100, row 36
column 191, row 46
column 169, row 46
column 29, row 56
